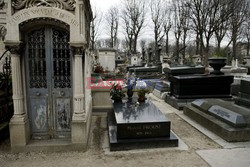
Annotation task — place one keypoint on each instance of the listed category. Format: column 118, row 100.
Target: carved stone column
column 19, row 124
column 17, row 83
column 79, row 132
column 79, row 111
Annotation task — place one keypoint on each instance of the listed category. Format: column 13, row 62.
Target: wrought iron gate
column 49, row 82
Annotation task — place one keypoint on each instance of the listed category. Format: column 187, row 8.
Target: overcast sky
column 104, row 5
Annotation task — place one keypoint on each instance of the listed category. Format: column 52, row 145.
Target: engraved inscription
column 144, row 130
column 221, row 113
column 43, row 13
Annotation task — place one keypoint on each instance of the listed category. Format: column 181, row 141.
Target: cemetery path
column 98, row 155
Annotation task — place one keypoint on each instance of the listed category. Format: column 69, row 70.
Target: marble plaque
column 227, row 116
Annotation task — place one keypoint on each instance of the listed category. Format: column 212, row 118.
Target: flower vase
column 130, row 93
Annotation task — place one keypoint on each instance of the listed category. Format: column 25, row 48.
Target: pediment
column 62, row 4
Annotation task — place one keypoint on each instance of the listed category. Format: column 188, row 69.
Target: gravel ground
column 96, row 155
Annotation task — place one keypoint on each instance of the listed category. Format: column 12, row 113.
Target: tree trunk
column 234, row 41
column 218, row 44
column 135, row 44
column 167, row 47
column 206, row 55
column 248, row 46
column 177, row 49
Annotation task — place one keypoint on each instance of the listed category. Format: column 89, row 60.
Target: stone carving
column 3, row 32
column 77, row 50
column 2, row 4
column 63, row 4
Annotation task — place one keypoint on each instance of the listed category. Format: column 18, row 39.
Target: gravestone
column 132, row 125
column 244, row 95
column 161, row 88
column 224, row 118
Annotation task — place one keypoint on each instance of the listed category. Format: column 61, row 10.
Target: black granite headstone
column 245, row 86
column 143, row 120
column 244, row 95
column 133, row 124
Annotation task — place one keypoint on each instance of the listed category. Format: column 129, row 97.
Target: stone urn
column 217, row 63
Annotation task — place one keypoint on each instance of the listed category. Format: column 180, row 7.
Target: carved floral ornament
column 62, row 4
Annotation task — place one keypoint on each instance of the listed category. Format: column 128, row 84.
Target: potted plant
column 218, row 61
column 116, row 93
column 141, row 94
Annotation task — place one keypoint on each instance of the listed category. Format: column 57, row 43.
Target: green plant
column 116, row 92
column 142, row 92
column 220, row 53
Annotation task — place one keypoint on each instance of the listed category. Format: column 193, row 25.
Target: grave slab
column 224, row 118
column 132, row 125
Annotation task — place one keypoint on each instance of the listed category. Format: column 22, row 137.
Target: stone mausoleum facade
column 48, row 41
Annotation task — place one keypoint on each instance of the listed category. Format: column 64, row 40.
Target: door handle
column 38, row 93
column 62, row 93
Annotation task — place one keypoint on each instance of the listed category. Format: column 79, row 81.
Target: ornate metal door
column 49, row 84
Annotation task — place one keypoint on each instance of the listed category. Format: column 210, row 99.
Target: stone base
column 180, row 103
column 177, row 103
column 157, row 93
column 19, row 132
column 49, row 146
column 243, row 102
column 217, row 126
column 80, row 132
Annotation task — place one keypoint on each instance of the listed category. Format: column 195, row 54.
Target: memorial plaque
column 228, row 116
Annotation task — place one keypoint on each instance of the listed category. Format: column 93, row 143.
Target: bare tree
column 222, row 21
column 196, row 15
column 157, row 9
column 133, row 16
column 112, row 21
column 180, row 27
column 203, row 15
column 239, row 9
column 167, row 24
column 95, row 28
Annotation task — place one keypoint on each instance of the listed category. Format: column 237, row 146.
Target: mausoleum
column 48, row 41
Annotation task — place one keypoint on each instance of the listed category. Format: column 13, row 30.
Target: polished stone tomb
column 138, row 125
column 186, row 88
column 244, row 95
column 147, row 72
column 224, row 118
column 183, row 70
